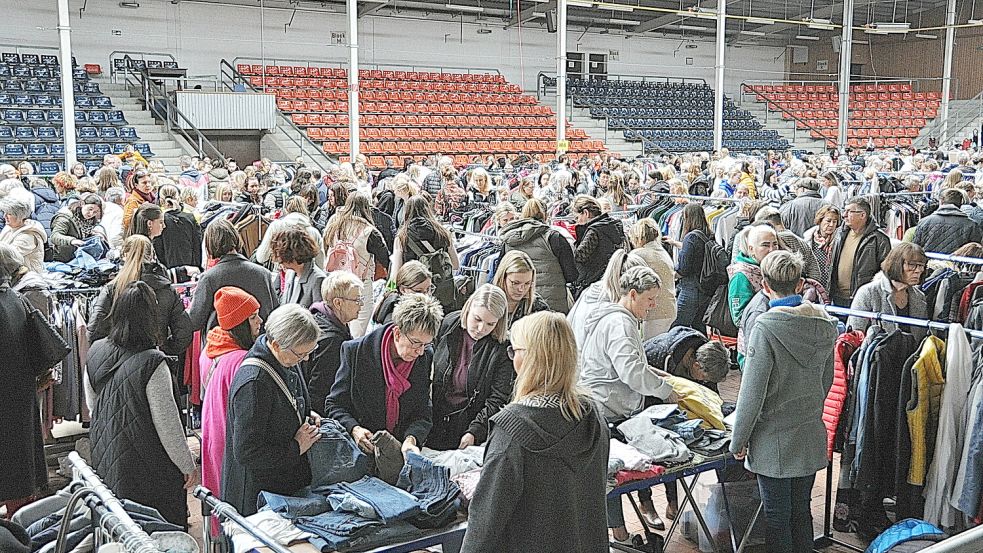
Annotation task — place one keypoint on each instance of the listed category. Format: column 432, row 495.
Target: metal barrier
column 133, row 55
column 970, row 541
column 344, row 65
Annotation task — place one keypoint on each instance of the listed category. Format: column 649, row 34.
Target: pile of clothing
column 665, row 434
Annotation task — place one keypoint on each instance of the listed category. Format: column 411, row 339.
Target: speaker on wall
column 551, row 21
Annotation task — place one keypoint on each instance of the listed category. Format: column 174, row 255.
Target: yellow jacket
column 698, row 402
column 927, row 381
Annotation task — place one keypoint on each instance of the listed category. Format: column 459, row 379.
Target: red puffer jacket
column 846, row 344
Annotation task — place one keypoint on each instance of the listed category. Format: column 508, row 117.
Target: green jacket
column 745, row 282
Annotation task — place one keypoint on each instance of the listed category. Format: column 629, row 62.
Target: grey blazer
column 304, row 288
column 876, row 296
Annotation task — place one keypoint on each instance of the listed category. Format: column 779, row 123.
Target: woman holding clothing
column 472, row 372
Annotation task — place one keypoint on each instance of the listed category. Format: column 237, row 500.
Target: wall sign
column 822, row 65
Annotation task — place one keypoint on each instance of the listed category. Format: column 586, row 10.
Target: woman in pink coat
column 225, row 348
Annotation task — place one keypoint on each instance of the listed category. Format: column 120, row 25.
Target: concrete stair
column 166, row 147
column 798, row 139
column 284, row 144
column 964, row 116
column 597, row 129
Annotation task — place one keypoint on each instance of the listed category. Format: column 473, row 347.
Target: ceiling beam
column 526, row 13
column 371, row 7
column 661, row 21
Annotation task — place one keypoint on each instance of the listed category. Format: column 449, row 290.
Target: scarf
column 149, row 198
column 220, row 342
column 397, row 376
column 85, row 225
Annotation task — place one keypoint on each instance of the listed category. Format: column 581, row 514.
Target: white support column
column 718, row 93
column 353, row 78
column 950, row 41
column 67, row 84
column 561, row 72
column 846, row 59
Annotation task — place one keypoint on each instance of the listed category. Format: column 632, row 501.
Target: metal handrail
column 916, row 83
column 959, row 119
column 344, row 64
column 153, row 93
column 970, row 541
column 228, row 70
column 773, row 105
column 543, row 75
column 127, row 55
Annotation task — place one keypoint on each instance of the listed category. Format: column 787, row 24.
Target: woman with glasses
column 472, row 373
column 546, row 452
column 412, row 276
column 383, row 383
column 342, row 293
column 271, row 422
column 895, row 290
column 516, row 276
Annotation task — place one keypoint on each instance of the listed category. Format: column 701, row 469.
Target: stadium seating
column 31, row 115
column 673, row 116
column 891, row 114
column 410, row 113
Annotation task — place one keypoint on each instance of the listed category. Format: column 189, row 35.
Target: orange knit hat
column 233, row 306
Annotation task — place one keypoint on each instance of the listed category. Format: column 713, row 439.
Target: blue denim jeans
column 431, row 485
column 335, row 457
column 691, row 305
column 787, row 509
column 389, row 502
column 293, row 507
column 336, row 529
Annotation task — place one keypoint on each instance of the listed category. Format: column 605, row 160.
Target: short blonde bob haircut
column 493, row 299
column 550, row 362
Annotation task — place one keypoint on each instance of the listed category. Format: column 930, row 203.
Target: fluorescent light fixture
column 581, row 3
column 807, row 37
column 760, row 21
column 618, row 7
column 862, row 42
column 131, row 5
column 692, row 28
column 617, row 21
column 887, row 28
column 975, row 22
column 926, row 36
column 754, row 33
column 469, row 9
column 703, row 13
column 820, row 24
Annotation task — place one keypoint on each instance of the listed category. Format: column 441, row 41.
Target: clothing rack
column 96, row 291
column 212, row 506
column 954, row 258
column 909, row 321
column 892, row 194
column 688, row 197
column 108, row 512
column 488, row 237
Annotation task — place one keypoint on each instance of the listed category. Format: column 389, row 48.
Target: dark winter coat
column 536, row 462
column 231, row 270
column 321, row 369
column 946, row 230
column 174, row 325
column 22, row 467
column 421, row 230
column 64, row 229
column 597, row 240
column 127, row 452
column 46, row 205
column 551, row 255
column 180, row 243
column 358, row 397
column 873, row 248
column 261, row 453
column 666, row 351
column 799, row 215
column 490, row 376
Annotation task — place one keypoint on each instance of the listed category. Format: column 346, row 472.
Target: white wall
column 201, row 34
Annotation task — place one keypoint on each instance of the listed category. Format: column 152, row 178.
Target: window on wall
column 575, row 65
column 598, row 67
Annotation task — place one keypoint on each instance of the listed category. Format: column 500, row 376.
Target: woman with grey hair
column 382, row 389
column 30, row 284
column 272, row 424
column 23, row 233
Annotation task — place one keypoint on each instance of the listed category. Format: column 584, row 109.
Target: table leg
column 688, row 490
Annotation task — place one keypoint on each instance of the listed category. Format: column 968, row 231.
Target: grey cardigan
column 876, row 296
column 787, row 374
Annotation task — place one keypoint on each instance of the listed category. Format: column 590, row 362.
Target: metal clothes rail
column 954, row 258
column 923, row 323
column 687, row 196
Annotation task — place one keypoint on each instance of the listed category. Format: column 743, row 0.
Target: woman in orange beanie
column 226, row 346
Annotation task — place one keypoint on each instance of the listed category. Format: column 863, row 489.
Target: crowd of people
column 361, row 306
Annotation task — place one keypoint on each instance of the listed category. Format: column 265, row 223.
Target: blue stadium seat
column 101, row 149
column 52, row 86
column 13, row 150
column 108, row 133
column 11, row 57
column 97, row 117
column 48, row 168
column 30, row 59
column 83, row 150
column 47, row 133
column 6, row 100
column 22, row 71
column 102, row 102
column 144, row 149
column 24, row 133
column 37, row 151
column 116, row 118
column 79, row 74
column 57, row 149
column 83, row 102
column 49, row 59
column 92, row 166
column 81, row 117
column 23, row 100
column 36, row 116
column 119, row 147
column 91, row 87
column 4, row 71
column 13, row 115
column 33, row 85
column 42, row 72
column 88, row 133
column 6, row 133
column 56, row 116
column 43, row 100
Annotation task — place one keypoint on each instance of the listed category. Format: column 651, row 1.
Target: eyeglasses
column 359, row 300
column 511, row 351
column 302, row 356
column 416, row 344
column 429, row 291
column 856, row 211
column 914, row 266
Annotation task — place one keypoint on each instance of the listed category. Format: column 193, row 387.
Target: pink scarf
column 397, row 376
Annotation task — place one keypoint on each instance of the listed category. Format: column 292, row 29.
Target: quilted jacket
column 946, row 230
column 846, row 344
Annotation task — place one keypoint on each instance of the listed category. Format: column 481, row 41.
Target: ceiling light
column 976, row 22
column 926, row 36
column 618, row 8
column 807, row 37
column 820, row 24
column 754, row 33
column 703, row 13
column 691, row 28
column 129, row 4
column 760, row 20
column 581, row 3
column 617, row 21
column 862, row 42
column 887, row 28
column 471, row 9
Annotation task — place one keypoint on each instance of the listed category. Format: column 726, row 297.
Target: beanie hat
column 233, row 306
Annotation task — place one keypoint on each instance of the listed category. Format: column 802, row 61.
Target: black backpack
column 713, row 274
column 438, row 262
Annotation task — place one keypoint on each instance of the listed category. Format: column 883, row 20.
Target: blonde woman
column 528, row 472
column 549, row 251
column 351, row 229
column 403, row 188
column 646, row 238
column 480, row 189
column 616, row 192
column 412, row 277
column 524, row 192
column 605, row 290
column 516, row 276
column 472, row 372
